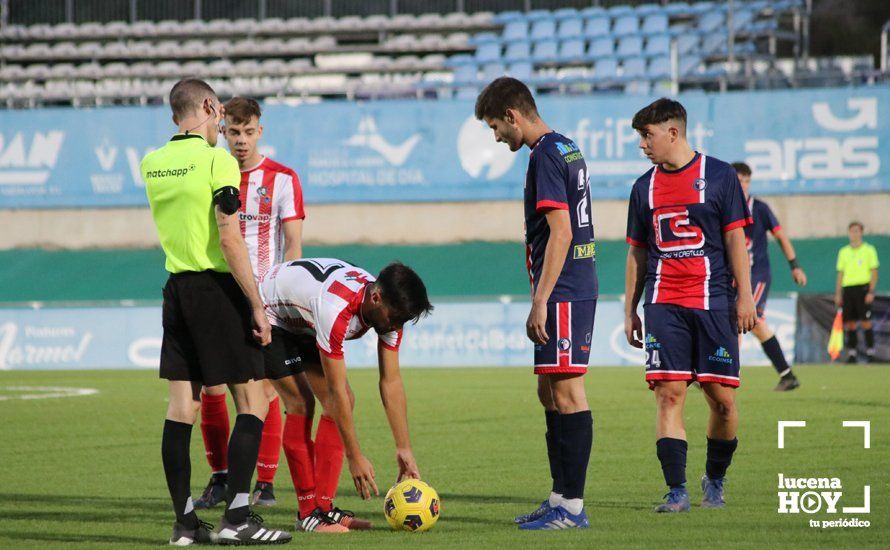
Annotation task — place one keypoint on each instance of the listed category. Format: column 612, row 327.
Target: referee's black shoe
column 787, row 383
column 202, row 534
column 213, row 494
column 250, row 532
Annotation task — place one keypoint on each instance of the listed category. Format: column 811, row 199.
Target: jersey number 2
column 583, row 212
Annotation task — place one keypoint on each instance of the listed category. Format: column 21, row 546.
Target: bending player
column 685, row 227
column 314, row 305
column 271, row 213
column 560, row 259
column 755, row 235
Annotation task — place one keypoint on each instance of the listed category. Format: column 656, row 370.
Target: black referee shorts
column 854, row 307
column 208, row 331
column 289, row 352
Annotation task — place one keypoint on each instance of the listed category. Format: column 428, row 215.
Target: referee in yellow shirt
column 857, row 278
column 213, row 317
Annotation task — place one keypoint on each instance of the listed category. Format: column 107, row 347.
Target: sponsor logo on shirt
column 569, row 151
column 582, row 251
column 261, row 218
column 177, row 172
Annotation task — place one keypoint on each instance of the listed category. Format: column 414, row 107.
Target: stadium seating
column 449, row 54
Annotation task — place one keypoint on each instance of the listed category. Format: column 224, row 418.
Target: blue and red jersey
column 557, row 178
column 756, row 239
column 681, row 216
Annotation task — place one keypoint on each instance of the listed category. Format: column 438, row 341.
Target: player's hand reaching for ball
column 262, row 330
column 407, row 465
column 633, row 330
column 363, row 476
column 536, row 325
column 746, row 313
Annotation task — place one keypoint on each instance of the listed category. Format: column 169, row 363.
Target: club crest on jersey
column 699, row 184
column 564, row 344
column 263, row 192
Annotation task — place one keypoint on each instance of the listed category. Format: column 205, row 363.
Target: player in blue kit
column 560, row 256
column 685, row 227
column 756, row 238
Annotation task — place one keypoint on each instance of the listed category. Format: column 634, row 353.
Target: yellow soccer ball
column 411, row 505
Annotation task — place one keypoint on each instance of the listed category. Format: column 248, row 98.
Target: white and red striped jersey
column 324, row 294
column 271, row 196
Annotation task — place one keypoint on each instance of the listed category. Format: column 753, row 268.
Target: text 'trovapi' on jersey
column 680, row 217
column 756, row 237
column 323, row 294
column 557, row 179
column 271, row 195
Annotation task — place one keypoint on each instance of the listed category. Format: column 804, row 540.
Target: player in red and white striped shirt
column 271, row 217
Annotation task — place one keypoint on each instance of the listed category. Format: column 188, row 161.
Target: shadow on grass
column 484, row 499
column 589, row 503
column 140, row 504
column 20, row 536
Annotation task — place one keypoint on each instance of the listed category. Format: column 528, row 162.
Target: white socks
column 573, row 505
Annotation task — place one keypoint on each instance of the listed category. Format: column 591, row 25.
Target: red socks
column 300, row 460
column 270, row 445
column 328, row 461
column 215, row 429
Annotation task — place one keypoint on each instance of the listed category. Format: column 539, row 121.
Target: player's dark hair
column 660, row 110
column 505, row 93
column 404, row 293
column 741, row 168
column 856, row 224
column 187, row 95
column 241, row 109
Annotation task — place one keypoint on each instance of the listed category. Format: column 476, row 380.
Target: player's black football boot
column 203, row 534
column 251, row 532
column 263, row 495
column 213, row 494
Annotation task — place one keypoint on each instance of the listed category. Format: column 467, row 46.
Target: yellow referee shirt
column 856, row 264
column 180, row 179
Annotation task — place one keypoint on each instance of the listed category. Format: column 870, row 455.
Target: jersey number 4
column 674, row 231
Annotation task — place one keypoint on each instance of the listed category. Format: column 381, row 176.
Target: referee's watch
column 792, row 263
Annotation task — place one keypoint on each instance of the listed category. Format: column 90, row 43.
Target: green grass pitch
column 85, row 472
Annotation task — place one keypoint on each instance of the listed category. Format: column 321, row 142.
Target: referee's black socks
column 773, row 350
column 244, row 447
column 852, row 342
column 869, row 341
column 178, row 470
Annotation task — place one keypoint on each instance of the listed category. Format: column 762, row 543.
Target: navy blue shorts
column 569, row 327
column 691, row 344
column 760, row 288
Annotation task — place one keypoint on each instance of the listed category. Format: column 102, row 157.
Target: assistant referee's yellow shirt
column 180, row 179
column 856, row 264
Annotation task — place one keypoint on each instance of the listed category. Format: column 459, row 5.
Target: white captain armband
column 227, row 200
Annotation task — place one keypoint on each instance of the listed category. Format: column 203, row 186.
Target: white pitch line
column 47, row 392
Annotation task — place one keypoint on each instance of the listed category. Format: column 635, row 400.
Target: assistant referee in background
column 213, row 316
column 857, row 278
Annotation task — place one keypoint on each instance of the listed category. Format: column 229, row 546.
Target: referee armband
column 227, row 199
